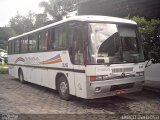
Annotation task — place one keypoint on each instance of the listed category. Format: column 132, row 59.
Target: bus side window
column 12, row 44
column 24, row 44
column 56, row 38
column 33, row 43
column 63, row 38
column 52, row 38
column 10, row 47
column 43, row 40
column 78, row 42
column 49, row 40
column 17, row 45
column 70, row 42
column 78, row 46
column 59, row 38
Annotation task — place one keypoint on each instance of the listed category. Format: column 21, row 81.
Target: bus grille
column 117, row 70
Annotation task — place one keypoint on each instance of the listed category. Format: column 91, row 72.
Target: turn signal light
column 93, row 78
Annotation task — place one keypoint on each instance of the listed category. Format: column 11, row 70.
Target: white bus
column 84, row 56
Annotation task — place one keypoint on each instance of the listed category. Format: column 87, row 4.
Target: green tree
column 150, row 29
column 5, row 34
column 58, row 8
column 40, row 20
column 21, row 24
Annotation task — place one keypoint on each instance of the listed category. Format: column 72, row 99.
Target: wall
column 153, row 72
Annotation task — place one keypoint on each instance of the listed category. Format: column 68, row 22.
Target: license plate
column 118, row 92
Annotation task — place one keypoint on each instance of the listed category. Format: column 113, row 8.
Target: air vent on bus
column 117, row 70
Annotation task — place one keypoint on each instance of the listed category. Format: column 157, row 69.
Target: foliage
column 58, row 8
column 40, row 20
column 5, row 34
column 55, row 8
column 3, row 69
column 150, row 29
column 21, row 24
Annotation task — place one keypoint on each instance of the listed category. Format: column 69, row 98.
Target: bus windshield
column 115, row 43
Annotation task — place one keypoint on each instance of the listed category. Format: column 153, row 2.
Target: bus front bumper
column 113, row 87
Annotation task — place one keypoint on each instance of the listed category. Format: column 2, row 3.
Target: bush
column 150, row 29
column 3, row 69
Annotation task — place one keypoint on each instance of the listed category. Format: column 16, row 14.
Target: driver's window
column 76, row 44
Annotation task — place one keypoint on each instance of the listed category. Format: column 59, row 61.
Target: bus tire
column 21, row 76
column 63, row 88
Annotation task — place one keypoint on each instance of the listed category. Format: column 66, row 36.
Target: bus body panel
column 124, row 84
column 106, row 86
column 38, row 70
column 80, row 82
column 96, row 70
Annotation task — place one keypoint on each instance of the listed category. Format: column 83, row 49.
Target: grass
column 3, row 69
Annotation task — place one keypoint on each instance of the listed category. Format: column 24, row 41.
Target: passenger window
column 43, row 40
column 12, row 43
column 75, row 42
column 17, row 46
column 24, row 44
column 70, row 41
column 56, row 38
column 33, row 43
column 78, row 46
column 59, row 38
column 9, row 47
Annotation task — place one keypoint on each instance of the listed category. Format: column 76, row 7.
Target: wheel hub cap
column 63, row 87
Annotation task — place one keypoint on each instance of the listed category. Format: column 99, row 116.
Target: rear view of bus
column 115, row 61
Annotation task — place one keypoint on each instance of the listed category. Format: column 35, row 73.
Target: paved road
column 33, row 99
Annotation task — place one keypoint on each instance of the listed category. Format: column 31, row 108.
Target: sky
column 9, row 8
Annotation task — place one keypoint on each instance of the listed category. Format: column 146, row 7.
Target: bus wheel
column 63, row 88
column 20, row 76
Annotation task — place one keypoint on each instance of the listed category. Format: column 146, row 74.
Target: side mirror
column 149, row 63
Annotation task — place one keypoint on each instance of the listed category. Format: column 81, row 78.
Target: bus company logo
column 36, row 60
column 19, row 59
column 123, row 75
column 56, row 59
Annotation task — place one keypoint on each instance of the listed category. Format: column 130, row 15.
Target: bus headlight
column 99, row 78
column 140, row 73
column 105, row 77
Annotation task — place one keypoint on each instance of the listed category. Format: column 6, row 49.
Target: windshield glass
column 112, row 43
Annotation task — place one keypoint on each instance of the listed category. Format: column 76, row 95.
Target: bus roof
column 84, row 18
